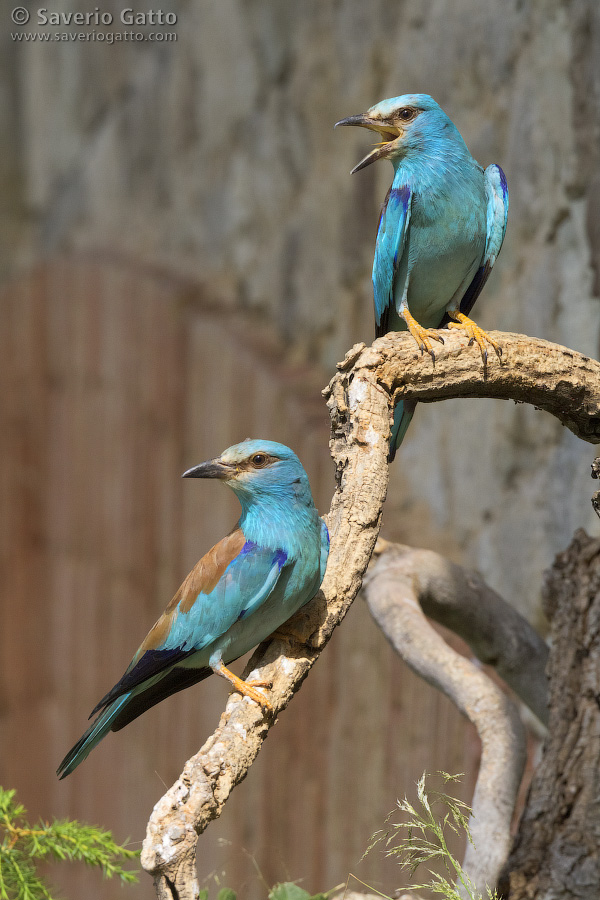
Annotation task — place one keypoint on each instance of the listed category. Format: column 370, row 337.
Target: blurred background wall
column 184, row 257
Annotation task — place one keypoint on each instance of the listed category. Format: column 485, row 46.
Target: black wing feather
column 152, row 662
column 176, row 680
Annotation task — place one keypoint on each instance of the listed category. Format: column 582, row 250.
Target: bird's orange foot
column 248, row 689
column 475, row 334
column 423, row 336
column 245, row 688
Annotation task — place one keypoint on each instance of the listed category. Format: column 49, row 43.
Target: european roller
column 242, row 590
column 441, row 228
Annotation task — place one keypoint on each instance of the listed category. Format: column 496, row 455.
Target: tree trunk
column 557, row 851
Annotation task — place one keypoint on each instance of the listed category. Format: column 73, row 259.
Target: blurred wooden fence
column 114, row 379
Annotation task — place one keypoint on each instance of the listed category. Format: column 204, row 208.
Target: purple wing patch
column 503, row 182
column 399, row 195
column 280, row 558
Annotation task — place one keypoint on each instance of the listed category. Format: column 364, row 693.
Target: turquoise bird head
column 257, row 469
column 272, row 487
column 409, row 126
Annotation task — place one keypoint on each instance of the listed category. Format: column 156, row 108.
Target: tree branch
column 360, row 400
column 403, row 585
column 459, row 599
column 545, row 375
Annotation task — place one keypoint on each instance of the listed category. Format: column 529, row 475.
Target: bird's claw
column 245, row 688
column 249, row 689
column 260, row 682
column 423, row 336
column 436, row 337
column 484, row 353
column 475, row 334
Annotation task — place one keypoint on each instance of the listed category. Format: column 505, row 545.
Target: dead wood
column 459, row 599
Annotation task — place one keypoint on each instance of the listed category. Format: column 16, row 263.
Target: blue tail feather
column 92, row 736
column 403, row 413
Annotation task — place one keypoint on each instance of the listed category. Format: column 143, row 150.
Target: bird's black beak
column 388, row 132
column 361, row 119
column 213, row 468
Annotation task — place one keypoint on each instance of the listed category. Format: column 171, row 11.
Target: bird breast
column 445, row 248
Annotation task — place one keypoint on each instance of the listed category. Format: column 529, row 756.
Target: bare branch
column 545, row 375
column 393, row 595
column 360, row 399
column 497, row 634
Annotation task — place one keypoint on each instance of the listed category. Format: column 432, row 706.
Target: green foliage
column 288, row 890
column 421, row 837
column 22, row 845
column 226, row 894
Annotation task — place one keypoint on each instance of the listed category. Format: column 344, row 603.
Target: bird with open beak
column 246, row 587
column 441, row 228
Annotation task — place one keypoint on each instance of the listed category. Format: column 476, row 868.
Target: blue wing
column 202, row 610
column 496, row 190
column 243, row 587
column 200, row 616
column 391, row 239
column 221, row 589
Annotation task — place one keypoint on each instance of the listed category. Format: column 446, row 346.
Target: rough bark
column 556, row 854
column 533, row 371
column 360, row 399
column 395, row 589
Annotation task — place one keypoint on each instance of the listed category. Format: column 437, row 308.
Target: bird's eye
column 407, row 113
column 259, row 460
